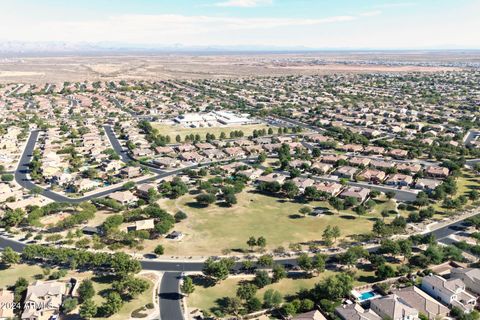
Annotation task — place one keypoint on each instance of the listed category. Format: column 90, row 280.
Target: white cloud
column 167, row 28
column 244, row 3
column 396, row 5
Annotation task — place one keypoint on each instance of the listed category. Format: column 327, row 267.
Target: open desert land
column 58, row 69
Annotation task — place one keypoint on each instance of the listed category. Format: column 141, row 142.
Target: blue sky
column 387, row 24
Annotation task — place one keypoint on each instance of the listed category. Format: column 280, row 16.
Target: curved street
column 169, row 296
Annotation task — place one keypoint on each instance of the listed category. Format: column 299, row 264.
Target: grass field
column 210, row 230
column 10, row 275
column 206, row 298
column 174, row 130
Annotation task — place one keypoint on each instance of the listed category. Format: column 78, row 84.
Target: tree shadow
column 348, row 217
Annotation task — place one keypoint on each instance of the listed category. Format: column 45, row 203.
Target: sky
column 316, row 24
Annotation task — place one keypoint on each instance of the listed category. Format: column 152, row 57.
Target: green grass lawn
column 205, row 298
column 103, row 284
column 174, row 130
column 10, row 275
column 210, row 230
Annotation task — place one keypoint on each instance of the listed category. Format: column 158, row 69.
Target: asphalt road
column 170, row 298
column 23, row 169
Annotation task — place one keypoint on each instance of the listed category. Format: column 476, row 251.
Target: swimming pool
column 366, row 295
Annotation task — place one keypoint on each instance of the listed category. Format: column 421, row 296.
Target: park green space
column 174, row 130
column 210, row 230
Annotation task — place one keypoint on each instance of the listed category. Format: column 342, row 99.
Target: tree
column 305, row 210
column 251, row 242
column 187, row 287
column 335, row 233
column 86, row 290
column 7, row 177
column 253, row 304
column 265, row 260
column 278, row 272
column 88, row 309
column 261, row 242
column 128, row 185
column 232, row 305
column 390, row 194
column 179, row 216
column 205, row 199
column 318, row 263
column 159, row 250
column 217, row 270
column 385, row 271
column 290, row 189
column 305, row 262
column 246, row 291
column 230, row 199
column 112, row 304
column 69, row 304
column 327, row 236
column 10, row 257
column 152, row 195
column 336, row 203
column 272, row 298
column 261, row 279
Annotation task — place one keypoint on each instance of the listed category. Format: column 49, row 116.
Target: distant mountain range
column 45, row 47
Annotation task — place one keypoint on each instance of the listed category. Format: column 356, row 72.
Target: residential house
column 234, row 152
column 272, row 177
column 131, row 172
column 408, row 168
column 383, row 165
column 374, row 150
column 320, row 167
column 332, row 188
column 214, row 154
column 302, row 183
column 355, row 312
column 437, row 172
column 394, row 308
column 124, row 197
column 191, row 156
column 398, row 153
column 355, row 192
column 346, row 172
column 399, row 179
column 43, row 300
column 372, row 175
column 359, row 161
column 166, row 162
column 142, row 189
column 427, row 184
column 422, row 302
column 311, row 315
column 469, row 276
column 451, row 292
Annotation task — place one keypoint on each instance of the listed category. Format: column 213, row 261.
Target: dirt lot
column 188, row 66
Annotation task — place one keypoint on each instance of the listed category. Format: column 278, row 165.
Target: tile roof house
column 124, row 197
column 356, row 312
column 399, row 179
column 409, row 167
column 321, row 167
column 469, row 276
column 272, row 177
column 421, row 301
column 427, row 184
column 302, row 183
column 437, row 172
column 393, row 307
column 147, row 224
column 358, row 161
column 43, row 300
column 451, row 292
column 311, row 315
column 372, row 175
column 346, row 172
column 355, row 192
column 331, row 188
